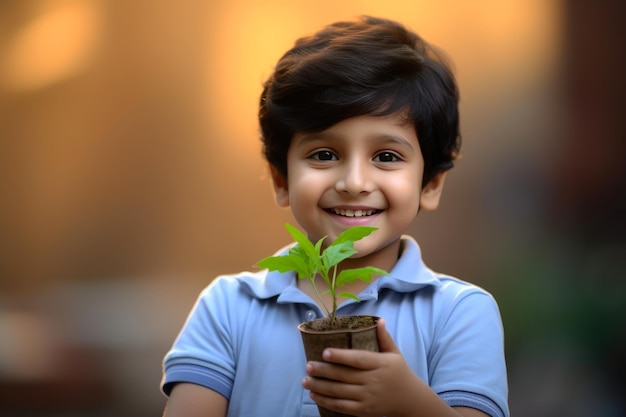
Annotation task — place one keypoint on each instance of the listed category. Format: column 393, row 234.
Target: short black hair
column 371, row 66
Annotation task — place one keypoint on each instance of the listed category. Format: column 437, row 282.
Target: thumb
column 385, row 341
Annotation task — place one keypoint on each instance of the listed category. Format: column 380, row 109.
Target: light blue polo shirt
column 241, row 340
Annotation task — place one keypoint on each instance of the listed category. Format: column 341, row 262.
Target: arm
column 355, row 382
column 190, row 400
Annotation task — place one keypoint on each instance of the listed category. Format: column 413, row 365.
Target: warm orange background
column 131, row 175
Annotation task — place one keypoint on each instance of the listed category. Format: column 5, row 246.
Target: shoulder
column 260, row 285
column 229, row 284
column 455, row 289
column 464, row 311
column 455, row 295
column 411, row 274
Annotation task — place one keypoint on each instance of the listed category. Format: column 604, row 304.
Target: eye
column 324, row 155
column 386, row 157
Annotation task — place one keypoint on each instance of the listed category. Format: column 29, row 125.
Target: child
column 360, row 126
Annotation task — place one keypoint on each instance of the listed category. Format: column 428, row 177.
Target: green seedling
column 309, row 260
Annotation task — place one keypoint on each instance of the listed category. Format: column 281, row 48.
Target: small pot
column 354, row 332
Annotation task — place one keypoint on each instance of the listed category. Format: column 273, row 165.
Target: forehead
column 389, row 129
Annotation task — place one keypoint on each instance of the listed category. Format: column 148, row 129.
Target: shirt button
column 310, row 315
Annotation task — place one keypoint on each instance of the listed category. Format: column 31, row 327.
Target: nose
column 355, row 178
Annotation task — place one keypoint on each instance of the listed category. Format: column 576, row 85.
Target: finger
column 352, row 358
column 339, row 405
column 330, row 388
column 331, row 371
column 385, row 341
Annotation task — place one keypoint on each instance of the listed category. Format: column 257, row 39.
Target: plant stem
column 333, row 315
column 319, row 296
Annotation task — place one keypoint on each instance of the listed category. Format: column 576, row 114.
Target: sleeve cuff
column 472, row 400
column 198, row 375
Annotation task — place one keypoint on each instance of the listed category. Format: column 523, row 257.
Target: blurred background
column 131, row 175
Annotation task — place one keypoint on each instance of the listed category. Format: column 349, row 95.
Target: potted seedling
column 309, row 261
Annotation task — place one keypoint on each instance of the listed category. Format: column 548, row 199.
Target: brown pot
column 355, row 332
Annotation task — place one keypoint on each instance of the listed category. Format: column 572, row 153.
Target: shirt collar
column 409, row 274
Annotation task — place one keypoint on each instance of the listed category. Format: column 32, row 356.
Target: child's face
column 364, row 171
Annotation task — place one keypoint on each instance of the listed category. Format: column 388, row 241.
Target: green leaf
column 285, row 263
column 308, row 264
column 318, row 245
column 348, row 276
column 349, row 295
column 319, row 265
column 353, row 234
column 334, row 254
column 303, row 241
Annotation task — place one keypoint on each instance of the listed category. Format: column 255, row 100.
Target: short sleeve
column 203, row 353
column 467, row 365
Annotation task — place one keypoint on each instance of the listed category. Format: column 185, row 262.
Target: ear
column 431, row 193
column 281, row 191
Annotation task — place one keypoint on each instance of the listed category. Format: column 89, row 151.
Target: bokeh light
column 131, row 175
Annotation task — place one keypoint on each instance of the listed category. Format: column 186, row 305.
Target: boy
column 360, row 126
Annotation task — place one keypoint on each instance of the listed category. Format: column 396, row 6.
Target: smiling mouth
column 354, row 213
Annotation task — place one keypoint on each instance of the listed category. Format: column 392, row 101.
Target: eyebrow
column 385, row 138
column 399, row 140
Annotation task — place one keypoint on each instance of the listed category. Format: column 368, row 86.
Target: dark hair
column 371, row 66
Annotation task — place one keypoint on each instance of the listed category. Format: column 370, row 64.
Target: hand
column 362, row 383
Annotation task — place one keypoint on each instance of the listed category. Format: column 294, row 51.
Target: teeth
column 354, row 213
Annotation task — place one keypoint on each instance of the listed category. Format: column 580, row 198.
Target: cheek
column 404, row 205
column 404, row 189
column 304, row 187
column 305, row 180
